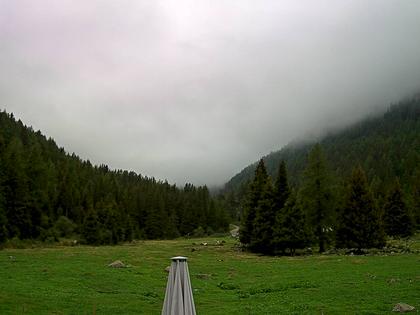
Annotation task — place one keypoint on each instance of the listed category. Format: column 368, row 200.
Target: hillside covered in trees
column 46, row 193
column 386, row 147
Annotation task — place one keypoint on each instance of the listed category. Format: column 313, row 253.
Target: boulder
column 117, row 264
column 402, row 308
column 203, row 276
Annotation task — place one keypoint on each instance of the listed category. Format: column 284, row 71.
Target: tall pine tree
column 261, row 240
column 397, row 218
column 316, row 197
column 254, row 196
column 281, row 188
column 16, row 191
column 359, row 223
column 416, row 198
column 290, row 231
column 3, row 216
column 91, row 228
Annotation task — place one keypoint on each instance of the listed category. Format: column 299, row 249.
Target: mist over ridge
column 193, row 92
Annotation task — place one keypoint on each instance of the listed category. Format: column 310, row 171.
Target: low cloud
column 194, row 91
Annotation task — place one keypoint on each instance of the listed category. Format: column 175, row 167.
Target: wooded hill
column 46, row 193
column 386, row 147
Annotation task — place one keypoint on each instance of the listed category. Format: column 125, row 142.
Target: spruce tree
column 397, row 218
column 3, row 217
column 261, row 239
column 280, row 196
column 359, row 223
column 255, row 192
column 111, row 231
column 159, row 224
column 316, row 197
column 3, row 225
column 37, row 186
column 416, row 198
column 281, row 188
column 91, row 229
column 290, row 231
column 16, row 191
column 40, row 184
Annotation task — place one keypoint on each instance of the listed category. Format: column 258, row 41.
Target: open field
column 76, row 280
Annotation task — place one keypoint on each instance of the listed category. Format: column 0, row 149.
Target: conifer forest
column 209, row 157
column 46, row 193
column 346, row 191
column 349, row 190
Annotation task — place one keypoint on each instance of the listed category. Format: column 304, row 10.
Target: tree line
column 385, row 146
column 323, row 211
column 46, row 193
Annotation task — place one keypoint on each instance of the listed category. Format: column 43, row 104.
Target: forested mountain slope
column 46, row 193
column 386, row 147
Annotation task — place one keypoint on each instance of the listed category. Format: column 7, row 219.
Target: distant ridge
column 386, row 146
column 47, row 194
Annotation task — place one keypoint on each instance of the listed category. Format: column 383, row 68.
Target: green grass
column 76, row 280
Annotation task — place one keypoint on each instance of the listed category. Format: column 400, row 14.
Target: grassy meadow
column 76, row 280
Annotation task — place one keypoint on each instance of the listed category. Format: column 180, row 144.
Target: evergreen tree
column 316, row 197
column 43, row 188
column 397, row 218
column 3, row 225
column 416, row 198
column 37, row 186
column 158, row 225
column 16, row 191
column 255, row 193
column 3, row 216
column 387, row 146
column 281, row 188
column 129, row 233
column 91, row 229
column 290, row 231
column 360, row 224
column 262, row 235
column 110, row 225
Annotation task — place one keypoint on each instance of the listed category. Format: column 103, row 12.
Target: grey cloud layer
column 196, row 90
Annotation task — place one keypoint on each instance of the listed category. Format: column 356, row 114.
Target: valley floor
column 77, row 280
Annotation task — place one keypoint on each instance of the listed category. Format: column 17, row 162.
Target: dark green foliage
column 111, row 225
column 281, row 188
column 278, row 223
column 64, row 227
column 265, row 216
column 91, row 229
column 290, row 231
column 359, row 222
column 3, row 219
column 316, row 197
column 397, row 218
column 416, row 198
column 40, row 185
column 254, row 197
column 386, row 147
column 158, row 224
column 16, row 191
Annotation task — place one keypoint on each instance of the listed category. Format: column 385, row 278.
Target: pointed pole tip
column 179, row 258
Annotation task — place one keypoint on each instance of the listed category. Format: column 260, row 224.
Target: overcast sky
column 196, row 90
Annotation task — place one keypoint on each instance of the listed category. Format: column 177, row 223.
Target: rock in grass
column 167, row 269
column 117, row 264
column 203, row 276
column 402, row 308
